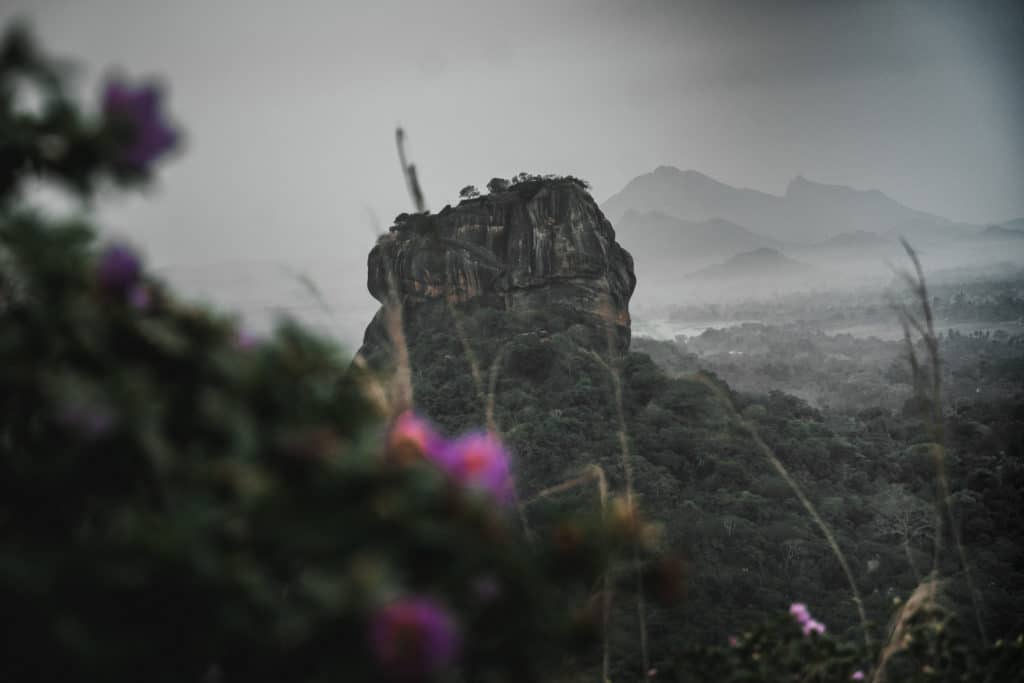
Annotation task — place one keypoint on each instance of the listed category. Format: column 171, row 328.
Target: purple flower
column 803, row 617
column 478, row 460
column 148, row 136
column 857, row 675
column 119, row 268
column 414, row 637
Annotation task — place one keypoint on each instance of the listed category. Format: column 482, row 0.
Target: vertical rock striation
column 543, row 245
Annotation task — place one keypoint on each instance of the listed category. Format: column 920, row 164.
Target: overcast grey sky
column 290, row 107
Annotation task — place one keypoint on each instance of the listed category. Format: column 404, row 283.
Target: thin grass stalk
column 920, row 601
column 403, row 371
column 591, row 471
column 401, row 388
column 826, row 531
column 492, row 386
column 404, row 376
column 372, row 387
column 412, row 183
column 626, row 457
column 467, row 349
column 907, row 320
column 918, row 285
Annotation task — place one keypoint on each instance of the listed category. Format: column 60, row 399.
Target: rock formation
column 541, row 245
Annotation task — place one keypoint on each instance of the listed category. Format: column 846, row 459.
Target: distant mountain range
column 809, row 212
column 693, row 236
column 861, row 239
column 1000, row 232
column 764, row 265
column 664, row 243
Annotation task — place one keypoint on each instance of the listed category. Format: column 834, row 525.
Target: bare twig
column 412, row 183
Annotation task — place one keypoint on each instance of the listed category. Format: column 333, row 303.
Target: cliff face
column 542, row 246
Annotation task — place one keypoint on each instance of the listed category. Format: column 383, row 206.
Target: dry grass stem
column 826, row 531
column 943, row 511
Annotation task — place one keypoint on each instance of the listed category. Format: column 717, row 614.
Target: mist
column 291, row 110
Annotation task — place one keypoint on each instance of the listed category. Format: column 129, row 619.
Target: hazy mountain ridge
column 757, row 265
column 808, row 212
column 859, row 239
column 657, row 240
column 1000, row 232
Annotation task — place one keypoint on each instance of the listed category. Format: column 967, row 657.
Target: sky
column 290, row 108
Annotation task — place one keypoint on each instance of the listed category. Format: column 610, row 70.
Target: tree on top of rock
column 496, row 185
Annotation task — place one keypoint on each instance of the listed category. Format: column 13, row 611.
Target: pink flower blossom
column 857, row 675
column 803, row 617
column 813, row 626
column 414, row 637
column 413, row 437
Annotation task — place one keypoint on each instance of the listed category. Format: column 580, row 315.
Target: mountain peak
column 688, row 176
column 808, row 212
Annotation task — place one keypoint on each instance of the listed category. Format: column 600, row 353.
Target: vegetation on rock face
column 180, row 499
